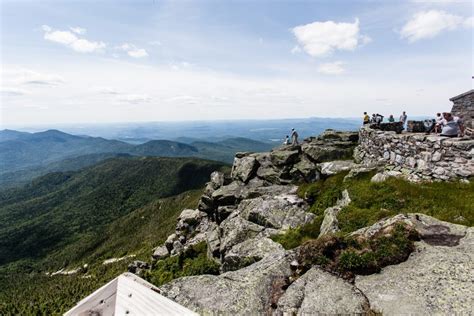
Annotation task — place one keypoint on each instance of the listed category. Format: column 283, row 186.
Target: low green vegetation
column 296, row 236
column 324, row 193
column 448, row 201
column 347, row 255
column 193, row 261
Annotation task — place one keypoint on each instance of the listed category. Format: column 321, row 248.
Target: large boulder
column 253, row 290
column 235, row 230
column 284, row 156
column 248, row 252
column 281, row 211
column 437, row 277
column 323, row 152
column 336, row 166
column 160, row 253
column 244, row 168
column 319, row 292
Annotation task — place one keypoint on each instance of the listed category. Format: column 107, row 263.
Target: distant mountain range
column 24, row 156
column 210, row 131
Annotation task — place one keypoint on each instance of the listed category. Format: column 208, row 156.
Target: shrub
column 348, row 255
column 193, row 261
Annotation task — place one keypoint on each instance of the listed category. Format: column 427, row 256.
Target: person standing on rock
column 403, row 119
column 366, row 118
column 294, row 137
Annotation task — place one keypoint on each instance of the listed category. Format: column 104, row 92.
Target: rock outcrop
column 238, row 215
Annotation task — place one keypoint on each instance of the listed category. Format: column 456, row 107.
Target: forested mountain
column 63, row 215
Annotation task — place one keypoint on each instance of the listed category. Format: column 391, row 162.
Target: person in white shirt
column 294, row 137
column 287, row 140
column 403, row 119
column 450, row 127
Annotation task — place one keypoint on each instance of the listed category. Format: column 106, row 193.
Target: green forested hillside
column 63, row 210
column 27, row 290
column 119, row 207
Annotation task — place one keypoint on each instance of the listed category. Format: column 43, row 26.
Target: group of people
column 294, row 138
column 446, row 124
column 378, row 118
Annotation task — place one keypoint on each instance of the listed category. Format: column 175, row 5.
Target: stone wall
column 418, row 156
column 463, row 104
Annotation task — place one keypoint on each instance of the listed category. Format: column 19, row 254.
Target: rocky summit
column 239, row 214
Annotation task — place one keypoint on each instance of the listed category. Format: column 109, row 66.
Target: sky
column 66, row 62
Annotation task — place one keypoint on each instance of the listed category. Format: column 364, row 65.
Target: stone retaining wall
column 418, row 156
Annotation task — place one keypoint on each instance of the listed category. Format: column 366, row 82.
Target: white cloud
column 428, row 24
column 133, row 51
column 78, row 30
column 12, row 92
column 71, row 40
column 320, row 39
column 134, row 98
column 22, row 76
column 469, row 22
column 334, row 68
column 107, row 90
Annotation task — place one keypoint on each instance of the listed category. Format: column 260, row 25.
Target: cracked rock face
column 280, row 211
column 320, row 292
column 248, row 291
column 436, row 279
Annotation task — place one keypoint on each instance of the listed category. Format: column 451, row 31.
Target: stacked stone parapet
column 418, row 156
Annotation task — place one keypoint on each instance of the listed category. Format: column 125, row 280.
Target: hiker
column 373, row 119
column 391, row 119
column 450, row 126
column 378, row 118
column 403, row 119
column 366, row 118
column 439, row 123
column 287, row 140
column 294, row 137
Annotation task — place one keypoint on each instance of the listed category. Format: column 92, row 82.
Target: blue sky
column 118, row 61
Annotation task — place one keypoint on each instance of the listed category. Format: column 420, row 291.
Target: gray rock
column 177, row 248
column 248, row 291
column 330, row 223
column 244, row 168
column 235, row 230
column 333, row 167
column 319, row 292
column 379, row 177
column 308, row 169
column 285, row 156
column 248, row 252
column 160, row 253
column 217, row 179
column 322, row 153
column 170, row 240
column 279, row 211
column 436, row 279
